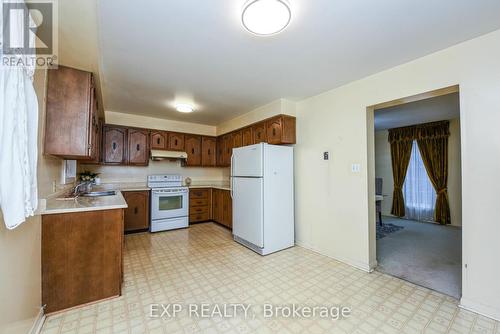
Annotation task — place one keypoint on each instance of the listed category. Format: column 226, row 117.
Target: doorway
column 412, row 242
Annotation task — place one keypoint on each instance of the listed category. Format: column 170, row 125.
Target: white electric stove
column 169, row 202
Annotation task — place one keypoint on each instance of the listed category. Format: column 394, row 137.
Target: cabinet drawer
column 199, row 193
column 198, row 202
column 198, row 217
column 199, row 209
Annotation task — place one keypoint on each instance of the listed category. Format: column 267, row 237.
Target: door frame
column 370, row 123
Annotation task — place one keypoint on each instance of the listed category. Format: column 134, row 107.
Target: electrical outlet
column 355, row 168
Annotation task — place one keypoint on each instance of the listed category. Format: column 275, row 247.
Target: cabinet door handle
column 274, row 132
column 176, row 142
column 158, row 141
column 138, row 147
column 209, row 152
column 114, row 146
column 192, row 151
column 136, row 210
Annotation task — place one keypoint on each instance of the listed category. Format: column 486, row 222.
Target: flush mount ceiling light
column 182, row 107
column 266, row 17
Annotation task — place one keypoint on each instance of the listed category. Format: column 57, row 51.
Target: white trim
column 38, row 324
column 358, row 265
column 484, row 310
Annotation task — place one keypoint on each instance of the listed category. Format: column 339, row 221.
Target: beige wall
column 20, row 249
column 118, row 118
column 383, row 169
column 332, row 203
column 281, row 106
column 455, row 173
column 111, row 174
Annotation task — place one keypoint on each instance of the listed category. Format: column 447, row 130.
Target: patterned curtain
column 433, row 146
column 401, row 141
column 432, row 140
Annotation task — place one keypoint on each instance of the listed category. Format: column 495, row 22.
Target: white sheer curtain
column 18, row 131
column 418, row 192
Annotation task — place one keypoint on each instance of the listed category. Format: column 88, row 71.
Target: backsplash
column 115, row 174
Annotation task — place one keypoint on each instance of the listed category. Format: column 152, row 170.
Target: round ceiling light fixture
column 266, row 17
column 185, row 108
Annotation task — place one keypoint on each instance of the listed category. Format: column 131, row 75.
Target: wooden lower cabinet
column 210, row 204
column 200, row 204
column 227, row 209
column 222, row 207
column 217, row 205
column 82, row 258
column 137, row 213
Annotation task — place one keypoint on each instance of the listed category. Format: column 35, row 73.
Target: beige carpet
column 426, row 254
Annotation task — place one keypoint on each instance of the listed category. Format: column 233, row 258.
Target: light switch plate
column 326, row 155
column 355, row 168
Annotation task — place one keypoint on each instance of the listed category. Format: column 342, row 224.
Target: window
column 419, row 194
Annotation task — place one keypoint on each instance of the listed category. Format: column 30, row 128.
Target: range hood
column 157, row 155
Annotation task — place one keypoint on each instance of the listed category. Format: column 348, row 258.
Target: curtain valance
column 421, row 131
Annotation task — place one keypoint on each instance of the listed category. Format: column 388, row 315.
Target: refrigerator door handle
column 232, row 176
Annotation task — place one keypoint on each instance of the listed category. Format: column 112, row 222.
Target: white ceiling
column 156, row 52
column 430, row 110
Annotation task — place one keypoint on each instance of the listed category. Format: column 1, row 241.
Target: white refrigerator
column 263, row 199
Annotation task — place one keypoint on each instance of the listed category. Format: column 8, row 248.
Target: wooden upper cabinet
column 237, row 139
column 228, row 149
column 193, row 150
column 97, row 147
column 281, row 130
column 175, row 141
column 220, row 151
column 137, row 213
column 208, row 151
column 114, row 145
column 138, row 147
column 259, row 132
column 71, row 114
column 159, row 140
column 247, row 136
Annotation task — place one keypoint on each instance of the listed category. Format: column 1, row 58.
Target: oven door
column 169, row 203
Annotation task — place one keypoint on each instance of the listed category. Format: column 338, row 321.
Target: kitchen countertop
column 138, row 186
column 82, row 204
column 55, row 205
column 216, row 185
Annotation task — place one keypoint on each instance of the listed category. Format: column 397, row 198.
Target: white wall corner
column 485, row 310
column 366, row 267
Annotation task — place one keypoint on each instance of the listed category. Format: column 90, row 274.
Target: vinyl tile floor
column 202, row 264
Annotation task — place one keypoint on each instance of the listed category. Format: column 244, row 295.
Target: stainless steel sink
column 99, row 193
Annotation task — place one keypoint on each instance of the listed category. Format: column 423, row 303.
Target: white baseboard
column 481, row 309
column 356, row 264
column 38, row 324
